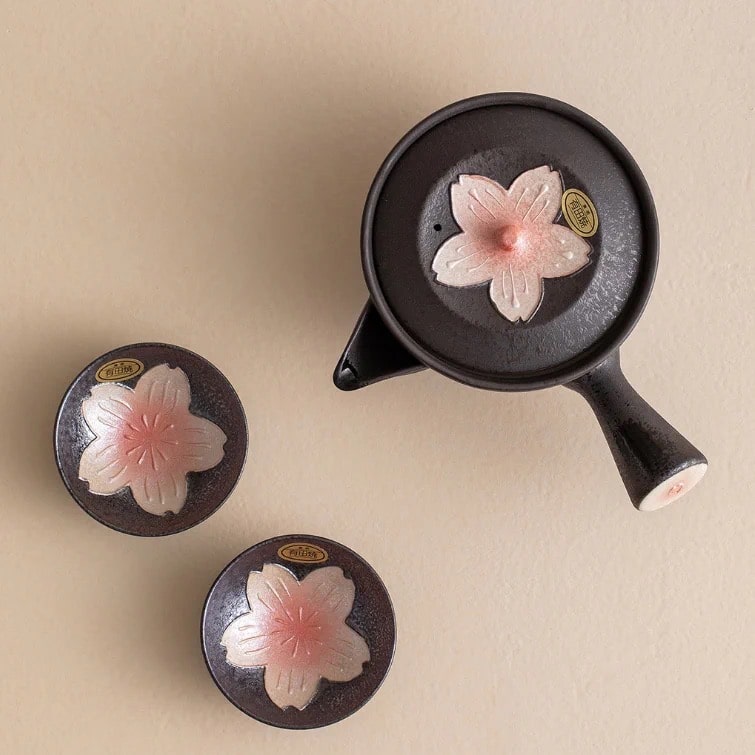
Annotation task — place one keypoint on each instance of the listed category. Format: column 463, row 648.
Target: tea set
column 509, row 242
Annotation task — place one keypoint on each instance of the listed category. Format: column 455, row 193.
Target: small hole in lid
column 438, row 227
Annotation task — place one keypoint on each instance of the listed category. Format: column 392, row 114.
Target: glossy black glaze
column 646, row 449
column 212, row 397
column 372, row 354
column 583, row 318
column 371, row 617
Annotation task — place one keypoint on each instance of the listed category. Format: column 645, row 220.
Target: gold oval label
column 579, row 212
column 119, row 369
column 303, row 553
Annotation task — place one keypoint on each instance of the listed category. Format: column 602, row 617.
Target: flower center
column 300, row 631
column 144, row 440
column 507, row 238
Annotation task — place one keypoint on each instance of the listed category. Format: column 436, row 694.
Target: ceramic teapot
column 510, row 242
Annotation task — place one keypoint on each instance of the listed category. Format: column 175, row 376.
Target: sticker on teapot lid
column 579, row 212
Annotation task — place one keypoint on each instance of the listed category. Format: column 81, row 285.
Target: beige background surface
column 194, row 172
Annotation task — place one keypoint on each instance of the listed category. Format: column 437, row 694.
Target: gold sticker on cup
column 119, row 369
column 579, row 212
column 303, row 553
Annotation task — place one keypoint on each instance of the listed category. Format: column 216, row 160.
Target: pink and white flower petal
column 270, row 590
column 291, row 685
column 329, row 591
column 516, row 292
column 108, row 409
column 104, row 467
column 562, row 252
column 343, row 655
column 464, row 261
column 198, row 443
column 248, row 641
column 159, row 492
column 536, row 195
column 163, row 389
column 479, row 205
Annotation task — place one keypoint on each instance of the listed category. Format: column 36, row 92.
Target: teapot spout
column 372, row 354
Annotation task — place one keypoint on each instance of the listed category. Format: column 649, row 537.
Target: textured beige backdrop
column 194, row 172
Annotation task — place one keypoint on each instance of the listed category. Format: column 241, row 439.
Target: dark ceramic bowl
column 150, row 439
column 298, row 632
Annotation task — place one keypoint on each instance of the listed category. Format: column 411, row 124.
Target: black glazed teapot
column 510, row 241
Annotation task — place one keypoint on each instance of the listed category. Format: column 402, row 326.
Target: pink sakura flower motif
column 298, row 632
column 147, row 440
column 510, row 238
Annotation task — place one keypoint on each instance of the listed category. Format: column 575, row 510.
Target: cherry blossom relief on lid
column 510, row 240
column 297, row 631
column 147, row 440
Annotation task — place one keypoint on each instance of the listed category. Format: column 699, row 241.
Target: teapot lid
column 510, row 241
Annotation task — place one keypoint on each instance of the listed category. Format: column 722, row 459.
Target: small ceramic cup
column 298, row 632
column 150, row 439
